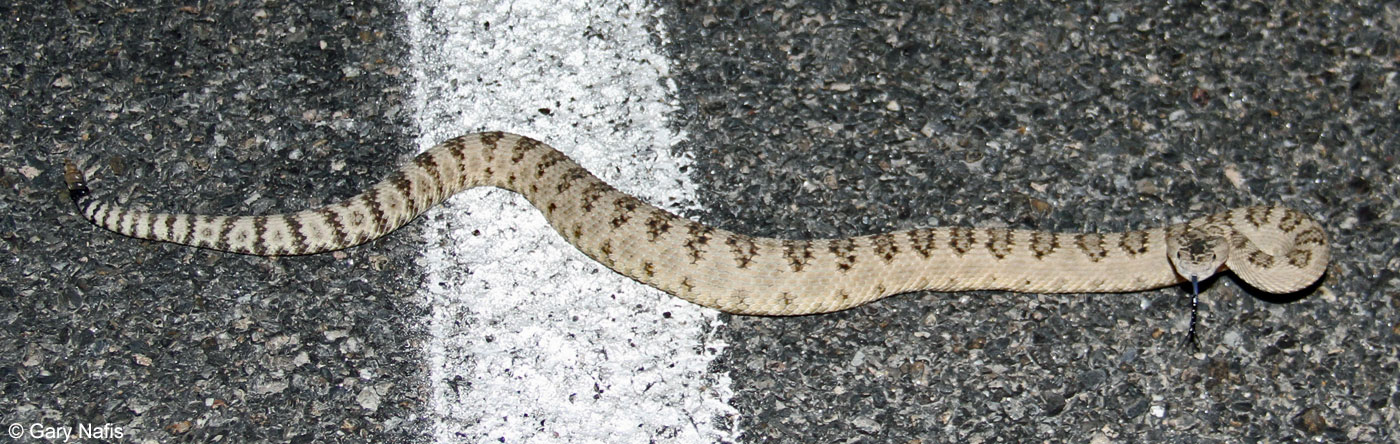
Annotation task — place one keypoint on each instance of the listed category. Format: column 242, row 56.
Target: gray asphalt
column 819, row 119
column 836, row 119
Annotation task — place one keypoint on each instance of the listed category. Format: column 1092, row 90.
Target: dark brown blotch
column 886, row 246
column 523, row 146
column 298, row 241
column 744, row 249
column 170, row 225
column 607, row 250
column 1239, row 242
column 402, row 184
column 548, row 160
column 1091, row 244
column 923, row 241
column 332, row 219
column 1291, row 220
column 658, row 224
column 1257, row 216
column 491, row 140
column 457, row 147
column 999, row 242
column 428, row 163
column 623, row 209
column 1044, row 244
column 699, row 236
column 260, row 232
column 592, row 194
column 1311, row 236
column 1133, row 242
column 1261, row 259
column 844, row 251
column 106, row 214
column 570, row 177
column 1218, row 219
column 390, row 211
column 224, row 230
column 1299, row 258
column 961, row 239
column 798, row 253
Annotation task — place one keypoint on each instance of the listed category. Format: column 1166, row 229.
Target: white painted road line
column 532, row 341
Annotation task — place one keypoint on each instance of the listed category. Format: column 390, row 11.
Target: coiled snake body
column 1272, row 248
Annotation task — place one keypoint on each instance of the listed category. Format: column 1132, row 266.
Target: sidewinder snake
column 1272, row 248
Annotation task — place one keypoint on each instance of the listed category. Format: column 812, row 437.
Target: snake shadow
column 1273, row 298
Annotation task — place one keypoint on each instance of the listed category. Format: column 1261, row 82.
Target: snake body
column 1272, row 248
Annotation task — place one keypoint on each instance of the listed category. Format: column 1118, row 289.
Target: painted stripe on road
column 531, row 340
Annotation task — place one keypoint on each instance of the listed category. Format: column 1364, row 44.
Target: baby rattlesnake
column 1273, row 248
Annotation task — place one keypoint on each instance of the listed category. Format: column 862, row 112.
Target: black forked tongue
column 1195, row 300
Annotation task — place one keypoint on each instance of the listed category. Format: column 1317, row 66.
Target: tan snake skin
column 1272, row 248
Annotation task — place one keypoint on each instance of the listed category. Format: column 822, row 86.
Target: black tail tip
column 77, row 185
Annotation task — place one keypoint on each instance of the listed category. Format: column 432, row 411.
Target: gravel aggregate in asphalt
column 806, row 119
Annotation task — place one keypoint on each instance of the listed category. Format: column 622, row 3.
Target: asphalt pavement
column 804, row 120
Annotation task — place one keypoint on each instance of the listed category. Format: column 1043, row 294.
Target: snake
column 1271, row 248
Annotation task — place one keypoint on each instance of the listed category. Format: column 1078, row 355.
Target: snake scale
column 1272, row 248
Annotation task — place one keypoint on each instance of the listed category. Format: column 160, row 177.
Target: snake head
column 1198, row 252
